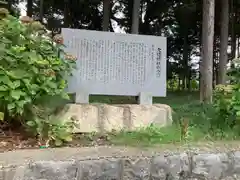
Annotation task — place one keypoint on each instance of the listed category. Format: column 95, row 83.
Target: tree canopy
column 179, row 20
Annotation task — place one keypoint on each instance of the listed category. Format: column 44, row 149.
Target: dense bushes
column 31, row 69
column 227, row 100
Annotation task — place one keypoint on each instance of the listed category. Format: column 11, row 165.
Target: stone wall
column 104, row 117
column 183, row 166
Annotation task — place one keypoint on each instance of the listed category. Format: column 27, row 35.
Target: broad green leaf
column 51, row 84
column 17, row 74
column 35, row 70
column 65, row 96
column 26, row 81
column 16, row 94
column 56, row 62
column 42, row 62
column 62, row 84
column 21, row 103
column 16, row 84
column 238, row 113
column 1, row 116
column 237, row 107
column 27, row 100
column 34, row 86
column 11, row 106
column 4, row 88
column 5, row 80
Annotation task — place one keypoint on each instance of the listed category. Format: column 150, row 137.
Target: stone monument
column 116, row 64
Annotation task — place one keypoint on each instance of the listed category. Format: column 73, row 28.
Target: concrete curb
column 145, row 166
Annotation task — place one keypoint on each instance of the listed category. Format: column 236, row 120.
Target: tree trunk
column 214, row 60
column 106, row 15
column 200, row 67
column 207, row 50
column 66, row 13
column 233, row 33
column 135, row 16
column 41, row 11
column 185, row 58
column 135, row 20
column 9, row 5
column 223, row 42
column 30, row 8
column 238, row 47
column 217, row 67
column 179, row 83
column 189, row 83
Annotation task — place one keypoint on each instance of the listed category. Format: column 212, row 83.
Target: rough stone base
column 103, row 117
column 185, row 166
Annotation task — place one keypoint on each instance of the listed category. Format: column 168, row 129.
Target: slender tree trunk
column 185, row 59
column 217, row 67
column 223, row 42
column 135, row 20
column 9, row 5
column 233, row 44
column 200, row 68
column 214, row 61
column 238, row 47
column 30, row 8
column 135, row 16
column 106, row 15
column 207, row 51
column 233, row 33
column 66, row 13
column 183, row 82
column 41, row 11
column 189, row 83
column 179, row 83
column 185, row 50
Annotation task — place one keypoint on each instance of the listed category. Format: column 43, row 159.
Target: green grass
column 173, row 98
column 185, row 105
column 153, row 135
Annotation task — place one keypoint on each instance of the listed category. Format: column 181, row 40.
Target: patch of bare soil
column 13, row 139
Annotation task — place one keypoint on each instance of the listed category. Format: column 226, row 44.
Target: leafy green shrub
column 227, row 99
column 48, row 128
column 222, row 103
column 30, row 68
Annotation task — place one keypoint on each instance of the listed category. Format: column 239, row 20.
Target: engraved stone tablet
column 116, row 64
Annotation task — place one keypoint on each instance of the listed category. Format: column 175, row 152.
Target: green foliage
column 227, row 99
column 222, row 102
column 30, row 69
column 48, row 128
column 148, row 136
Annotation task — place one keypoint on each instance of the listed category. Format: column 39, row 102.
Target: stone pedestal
column 103, row 117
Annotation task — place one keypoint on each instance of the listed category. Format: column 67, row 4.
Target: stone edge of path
column 73, row 163
column 23, row 156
